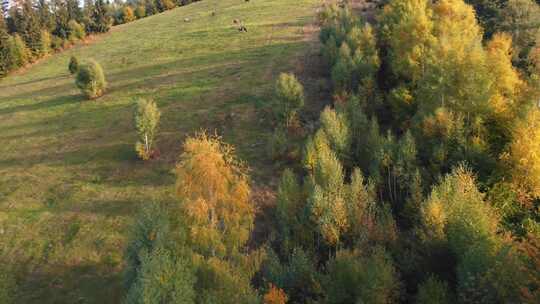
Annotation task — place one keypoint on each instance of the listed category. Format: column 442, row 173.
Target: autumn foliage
column 214, row 189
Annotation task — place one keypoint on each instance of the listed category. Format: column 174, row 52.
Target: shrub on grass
column 146, row 122
column 73, row 65
column 91, row 80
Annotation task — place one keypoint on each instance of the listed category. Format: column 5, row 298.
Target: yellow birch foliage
column 215, row 192
column 506, row 79
column 408, row 30
column 525, row 153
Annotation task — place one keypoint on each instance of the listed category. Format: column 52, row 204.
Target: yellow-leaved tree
column 214, row 189
column 506, row 79
column 408, row 30
column 525, row 154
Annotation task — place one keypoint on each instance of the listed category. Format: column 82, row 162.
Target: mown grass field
column 70, row 182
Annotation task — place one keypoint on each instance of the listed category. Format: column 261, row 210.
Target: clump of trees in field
column 419, row 183
column 194, row 251
column 90, row 79
column 31, row 29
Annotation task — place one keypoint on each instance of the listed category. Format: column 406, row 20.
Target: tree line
column 31, row 29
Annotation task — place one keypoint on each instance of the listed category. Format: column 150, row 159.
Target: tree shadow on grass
column 50, row 103
column 86, row 282
column 34, row 81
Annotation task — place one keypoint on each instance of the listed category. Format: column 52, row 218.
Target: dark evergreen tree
column 27, row 24
column 99, row 21
column 46, row 18
column 5, row 50
column 74, row 11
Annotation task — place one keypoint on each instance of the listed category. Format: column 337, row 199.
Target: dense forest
column 420, row 182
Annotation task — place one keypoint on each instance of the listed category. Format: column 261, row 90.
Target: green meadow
column 70, row 181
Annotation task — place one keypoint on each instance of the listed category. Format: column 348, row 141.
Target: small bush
column 91, row 80
column 146, row 122
column 73, row 65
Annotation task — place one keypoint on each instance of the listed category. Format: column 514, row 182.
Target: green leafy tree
column 75, row 31
column 6, row 50
column 290, row 212
column 219, row 282
column 362, row 278
column 407, row 27
column 335, row 126
column 91, row 79
column 163, row 278
column 326, row 201
column 433, row 291
column 45, row 47
column 289, row 98
column 150, row 229
column 20, row 53
column 140, row 11
column 298, row 276
column 146, row 119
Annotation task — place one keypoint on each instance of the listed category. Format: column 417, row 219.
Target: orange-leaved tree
column 214, row 189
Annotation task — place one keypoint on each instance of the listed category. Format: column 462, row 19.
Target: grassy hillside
column 69, row 179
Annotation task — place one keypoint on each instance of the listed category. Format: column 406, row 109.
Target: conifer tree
column 99, row 20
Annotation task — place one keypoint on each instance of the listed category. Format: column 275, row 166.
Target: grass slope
column 69, row 179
